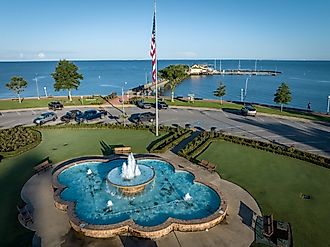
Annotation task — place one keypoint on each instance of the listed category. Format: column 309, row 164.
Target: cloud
column 41, row 55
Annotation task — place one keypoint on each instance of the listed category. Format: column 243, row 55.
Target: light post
column 45, row 89
column 122, row 95
column 36, row 79
column 328, row 107
column 122, row 101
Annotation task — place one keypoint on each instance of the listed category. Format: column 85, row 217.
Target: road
column 305, row 135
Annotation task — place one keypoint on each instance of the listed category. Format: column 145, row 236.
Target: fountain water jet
column 130, row 170
column 131, row 178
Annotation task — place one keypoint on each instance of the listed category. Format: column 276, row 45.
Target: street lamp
column 122, row 96
column 36, row 79
column 328, row 107
column 45, row 89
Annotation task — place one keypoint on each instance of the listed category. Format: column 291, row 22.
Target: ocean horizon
column 309, row 80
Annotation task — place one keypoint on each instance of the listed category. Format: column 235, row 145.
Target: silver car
column 45, row 117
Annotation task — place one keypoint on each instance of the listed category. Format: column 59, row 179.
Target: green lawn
column 43, row 102
column 58, row 144
column 276, row 182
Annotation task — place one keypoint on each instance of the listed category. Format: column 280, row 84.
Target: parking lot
column 306, row 135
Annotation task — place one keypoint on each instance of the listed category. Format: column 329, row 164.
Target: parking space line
column 224, row 113
column 18, row 113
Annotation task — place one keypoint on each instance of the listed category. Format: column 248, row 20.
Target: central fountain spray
column 131, row 178
column 131, row 170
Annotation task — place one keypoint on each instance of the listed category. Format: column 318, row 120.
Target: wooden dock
column 240, row 72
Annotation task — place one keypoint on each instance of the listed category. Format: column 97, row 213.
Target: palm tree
column 220, row 91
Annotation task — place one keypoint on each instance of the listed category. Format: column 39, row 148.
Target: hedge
column 172, row 139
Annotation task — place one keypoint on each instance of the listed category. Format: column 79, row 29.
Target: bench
column 25, row 215
column 122, row 150
column 268, row 226
column 207, row 165
column 43, row 166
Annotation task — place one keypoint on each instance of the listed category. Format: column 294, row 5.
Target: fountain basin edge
column 129, row 226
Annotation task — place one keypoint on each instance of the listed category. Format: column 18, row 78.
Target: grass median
column 8, row 104
column 58, row 144
column 277, row 182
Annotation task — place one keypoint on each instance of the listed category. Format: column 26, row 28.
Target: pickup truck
column 90, row 115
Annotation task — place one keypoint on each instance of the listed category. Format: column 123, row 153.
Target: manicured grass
column 43, row 102
column 58, row 144
column 292, row 113
column 199, row 103
column 276, row 182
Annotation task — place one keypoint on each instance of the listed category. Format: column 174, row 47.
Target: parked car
column 45, row 117
column 143, row 105
column 55, row 105
column 71, row 115
column 144, row 117
column 249, row 110
column 162, row 105
column 90, row 115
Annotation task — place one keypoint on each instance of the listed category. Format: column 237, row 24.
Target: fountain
column 131, row 170
column 146, row 197
column 131, row 178
column 187, row 197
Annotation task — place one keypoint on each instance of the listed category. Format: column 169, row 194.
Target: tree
column 17, row 84
column 282, row 95
column 66, row 77
column 220, row 91
column 174, row 74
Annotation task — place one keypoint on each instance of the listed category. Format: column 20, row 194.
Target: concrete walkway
column 52, row 226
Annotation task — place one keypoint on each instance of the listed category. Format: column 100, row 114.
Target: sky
column 112, row 29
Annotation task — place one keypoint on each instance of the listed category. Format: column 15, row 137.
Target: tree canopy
column 282, row 95
column 174, row 74
column 17, row 84
column 66, row 76
column 220, row 91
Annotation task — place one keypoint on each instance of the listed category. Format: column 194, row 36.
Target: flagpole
column 156, row 86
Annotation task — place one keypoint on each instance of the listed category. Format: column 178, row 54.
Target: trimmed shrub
column 17, row 140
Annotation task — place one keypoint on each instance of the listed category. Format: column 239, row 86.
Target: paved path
column 305, row 135
column 52, row 226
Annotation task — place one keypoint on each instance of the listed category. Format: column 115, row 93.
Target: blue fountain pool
column 161, row 199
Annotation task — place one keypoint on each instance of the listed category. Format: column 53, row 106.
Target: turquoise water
column 161, row 199
column 309, row 81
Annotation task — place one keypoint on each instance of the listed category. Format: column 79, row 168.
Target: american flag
column 153, row 50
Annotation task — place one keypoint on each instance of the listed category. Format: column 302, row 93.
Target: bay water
column 309, row 81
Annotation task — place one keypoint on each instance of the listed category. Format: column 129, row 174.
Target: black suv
column 162, row 105
column 70, row 115
column 55, row 105
column 140, row 118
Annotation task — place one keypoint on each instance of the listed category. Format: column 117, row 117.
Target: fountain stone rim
column 134, row 188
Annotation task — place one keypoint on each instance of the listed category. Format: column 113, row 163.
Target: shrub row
column 18, row 140
column 202, row 141
column 107, row 126
column 170, row 140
